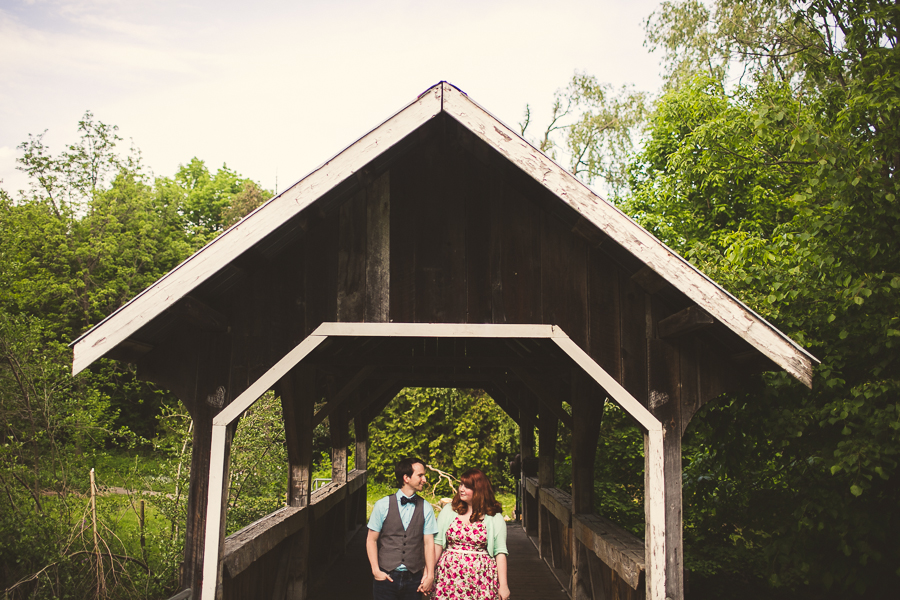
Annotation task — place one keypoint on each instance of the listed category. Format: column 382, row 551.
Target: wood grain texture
column 517, row 224
column 253, row 541
column 692, row 318
column 404, row 207
column 564, row 281
column 605, row 314
column 619, row 549
column 351, row 259
column 378, row 249
column 478, row 196
column 558, row 503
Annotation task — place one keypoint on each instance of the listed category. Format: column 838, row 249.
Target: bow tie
column 404, row 500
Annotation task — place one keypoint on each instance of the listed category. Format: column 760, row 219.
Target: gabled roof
column 447, row 99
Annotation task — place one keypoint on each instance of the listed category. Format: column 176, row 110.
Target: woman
column 470, row 547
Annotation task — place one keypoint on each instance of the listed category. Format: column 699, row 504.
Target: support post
column 340, row 437
column 587, row 413
column 549, row 426
column 361, row 430
column 339, row 426
column 526, row 456
column 297, row 390
column 217, row 499
column 655, row 514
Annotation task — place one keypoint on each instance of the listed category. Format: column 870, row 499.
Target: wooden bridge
column 440, row 249
column 264, row 559
column 530, row 578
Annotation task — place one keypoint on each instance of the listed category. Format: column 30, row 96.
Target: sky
column 274, row 89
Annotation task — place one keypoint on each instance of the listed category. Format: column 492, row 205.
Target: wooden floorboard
column 529, row 576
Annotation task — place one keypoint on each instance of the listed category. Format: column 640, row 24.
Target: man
column 400, row 543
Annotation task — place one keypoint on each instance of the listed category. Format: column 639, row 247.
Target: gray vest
column 397, row 546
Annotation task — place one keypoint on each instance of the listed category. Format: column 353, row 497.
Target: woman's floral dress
column 465, row 570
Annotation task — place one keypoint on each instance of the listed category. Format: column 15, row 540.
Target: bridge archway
column 655, row 497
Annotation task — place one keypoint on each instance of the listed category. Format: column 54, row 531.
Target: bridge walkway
column 529, row 576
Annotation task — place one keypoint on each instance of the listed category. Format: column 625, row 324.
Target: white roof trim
column 445, row 97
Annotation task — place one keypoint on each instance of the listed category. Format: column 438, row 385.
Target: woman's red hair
column 483, row 501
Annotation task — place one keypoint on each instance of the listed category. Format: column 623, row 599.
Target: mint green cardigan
column 496, row 531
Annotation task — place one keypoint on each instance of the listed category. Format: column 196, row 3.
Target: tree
column 90, row 233
column 784, row 190
column 450, row 429
column 208, row 203
column 593, row 126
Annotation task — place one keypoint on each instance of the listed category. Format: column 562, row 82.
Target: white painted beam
column 446, row 330
column 268, row 379
column 655, row 515
column 213, row 513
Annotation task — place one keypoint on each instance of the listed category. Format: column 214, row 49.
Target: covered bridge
column 440, row 249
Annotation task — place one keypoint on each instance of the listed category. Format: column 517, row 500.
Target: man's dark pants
column 403, row 587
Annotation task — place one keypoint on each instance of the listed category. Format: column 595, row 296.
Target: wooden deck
column 529, row 576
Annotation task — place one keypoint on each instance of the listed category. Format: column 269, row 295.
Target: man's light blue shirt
column 380, row 511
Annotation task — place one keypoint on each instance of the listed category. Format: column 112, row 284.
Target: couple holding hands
column 461, row 555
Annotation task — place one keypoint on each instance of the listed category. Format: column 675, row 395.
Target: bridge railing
column 615, row 556
column 272, row 557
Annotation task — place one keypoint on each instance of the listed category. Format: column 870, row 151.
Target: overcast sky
column 277, row 88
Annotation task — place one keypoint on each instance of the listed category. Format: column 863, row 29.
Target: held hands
column 427, row 582
column 380, row 575
column 504, row 592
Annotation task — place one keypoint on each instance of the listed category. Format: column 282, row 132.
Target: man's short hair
column 405, row 467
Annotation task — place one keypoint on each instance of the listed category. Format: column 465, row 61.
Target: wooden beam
column 298, row 390
column 338, row 426
column 364, row 398
column 267, row 381
column 587, row 413
column 529, row 416
column 655, row 514
column 692, row 318
column 130, row 350
column 649, row 280
column 243, row 547
column 477, row 362
column 547, row 399
column 378, row 249
column 201, row 315
column 343, row 394
column 558, row 503
column 440, row 330
column 619, row 549
column 361, row 454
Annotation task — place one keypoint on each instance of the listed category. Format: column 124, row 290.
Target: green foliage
column 258, row 483
column 593, row 125
column 90, row 233
column 619, row 470
column 450, row 429
column 207, row 203
column 785, row 192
